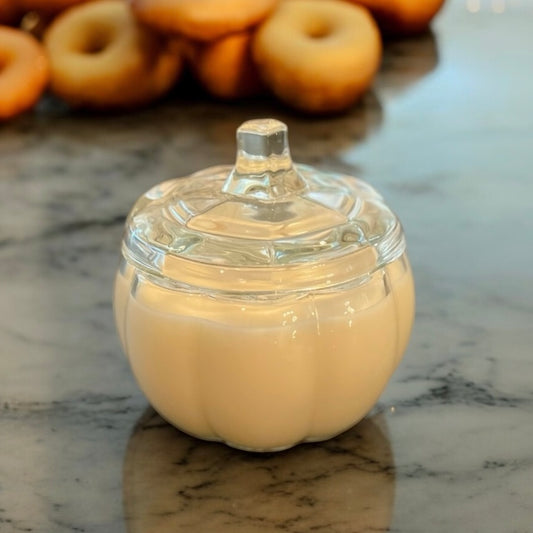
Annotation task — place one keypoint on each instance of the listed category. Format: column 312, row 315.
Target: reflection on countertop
column 173, row 482
column 406, row 62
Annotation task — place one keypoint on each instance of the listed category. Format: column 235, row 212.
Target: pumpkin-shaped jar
column 263, row 304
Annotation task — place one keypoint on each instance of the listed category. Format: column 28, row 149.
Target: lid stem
column 264, row 168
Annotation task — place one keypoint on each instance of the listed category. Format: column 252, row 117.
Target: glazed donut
column 318, row 56
column 101, row 57
column 225, row 67
column 202, row 20
column 23, row 72
column 400, row 17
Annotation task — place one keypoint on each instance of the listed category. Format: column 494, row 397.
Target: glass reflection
column 173, row 482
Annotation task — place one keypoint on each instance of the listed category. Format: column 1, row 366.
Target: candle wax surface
column 265, row 374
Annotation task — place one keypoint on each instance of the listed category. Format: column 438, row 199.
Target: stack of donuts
column 317, row 56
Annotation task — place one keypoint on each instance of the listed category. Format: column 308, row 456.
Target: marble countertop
column 447, row 137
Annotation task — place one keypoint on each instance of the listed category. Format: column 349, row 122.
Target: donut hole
column 93, row 37
column 97, row 42
column 318, row 29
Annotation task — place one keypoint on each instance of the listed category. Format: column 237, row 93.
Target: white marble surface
column 447, row 137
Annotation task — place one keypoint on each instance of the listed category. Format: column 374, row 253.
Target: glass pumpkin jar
column 264, row 304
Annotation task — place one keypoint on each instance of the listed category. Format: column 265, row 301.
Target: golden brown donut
column 203, row 20
column 23, row 72
column 402, row 16
column 318, row 56
column 101, row 57
column 225, row 67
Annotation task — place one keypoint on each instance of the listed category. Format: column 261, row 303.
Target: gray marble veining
column 446, row 136
column 173, row 482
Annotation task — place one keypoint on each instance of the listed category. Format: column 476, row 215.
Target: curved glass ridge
column 264, row 225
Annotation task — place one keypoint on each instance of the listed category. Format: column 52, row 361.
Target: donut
column 102, row 58
column 318, row 56
column 225, row 67
column 202, row 20
column 23, row 72
column 402, row 17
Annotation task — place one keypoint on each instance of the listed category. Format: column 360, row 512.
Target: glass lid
column 263, row 225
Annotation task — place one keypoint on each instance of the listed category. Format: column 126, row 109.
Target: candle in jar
column 265, row 375
column 265, row 304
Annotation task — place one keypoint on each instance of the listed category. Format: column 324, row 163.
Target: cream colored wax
column 265, row 375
